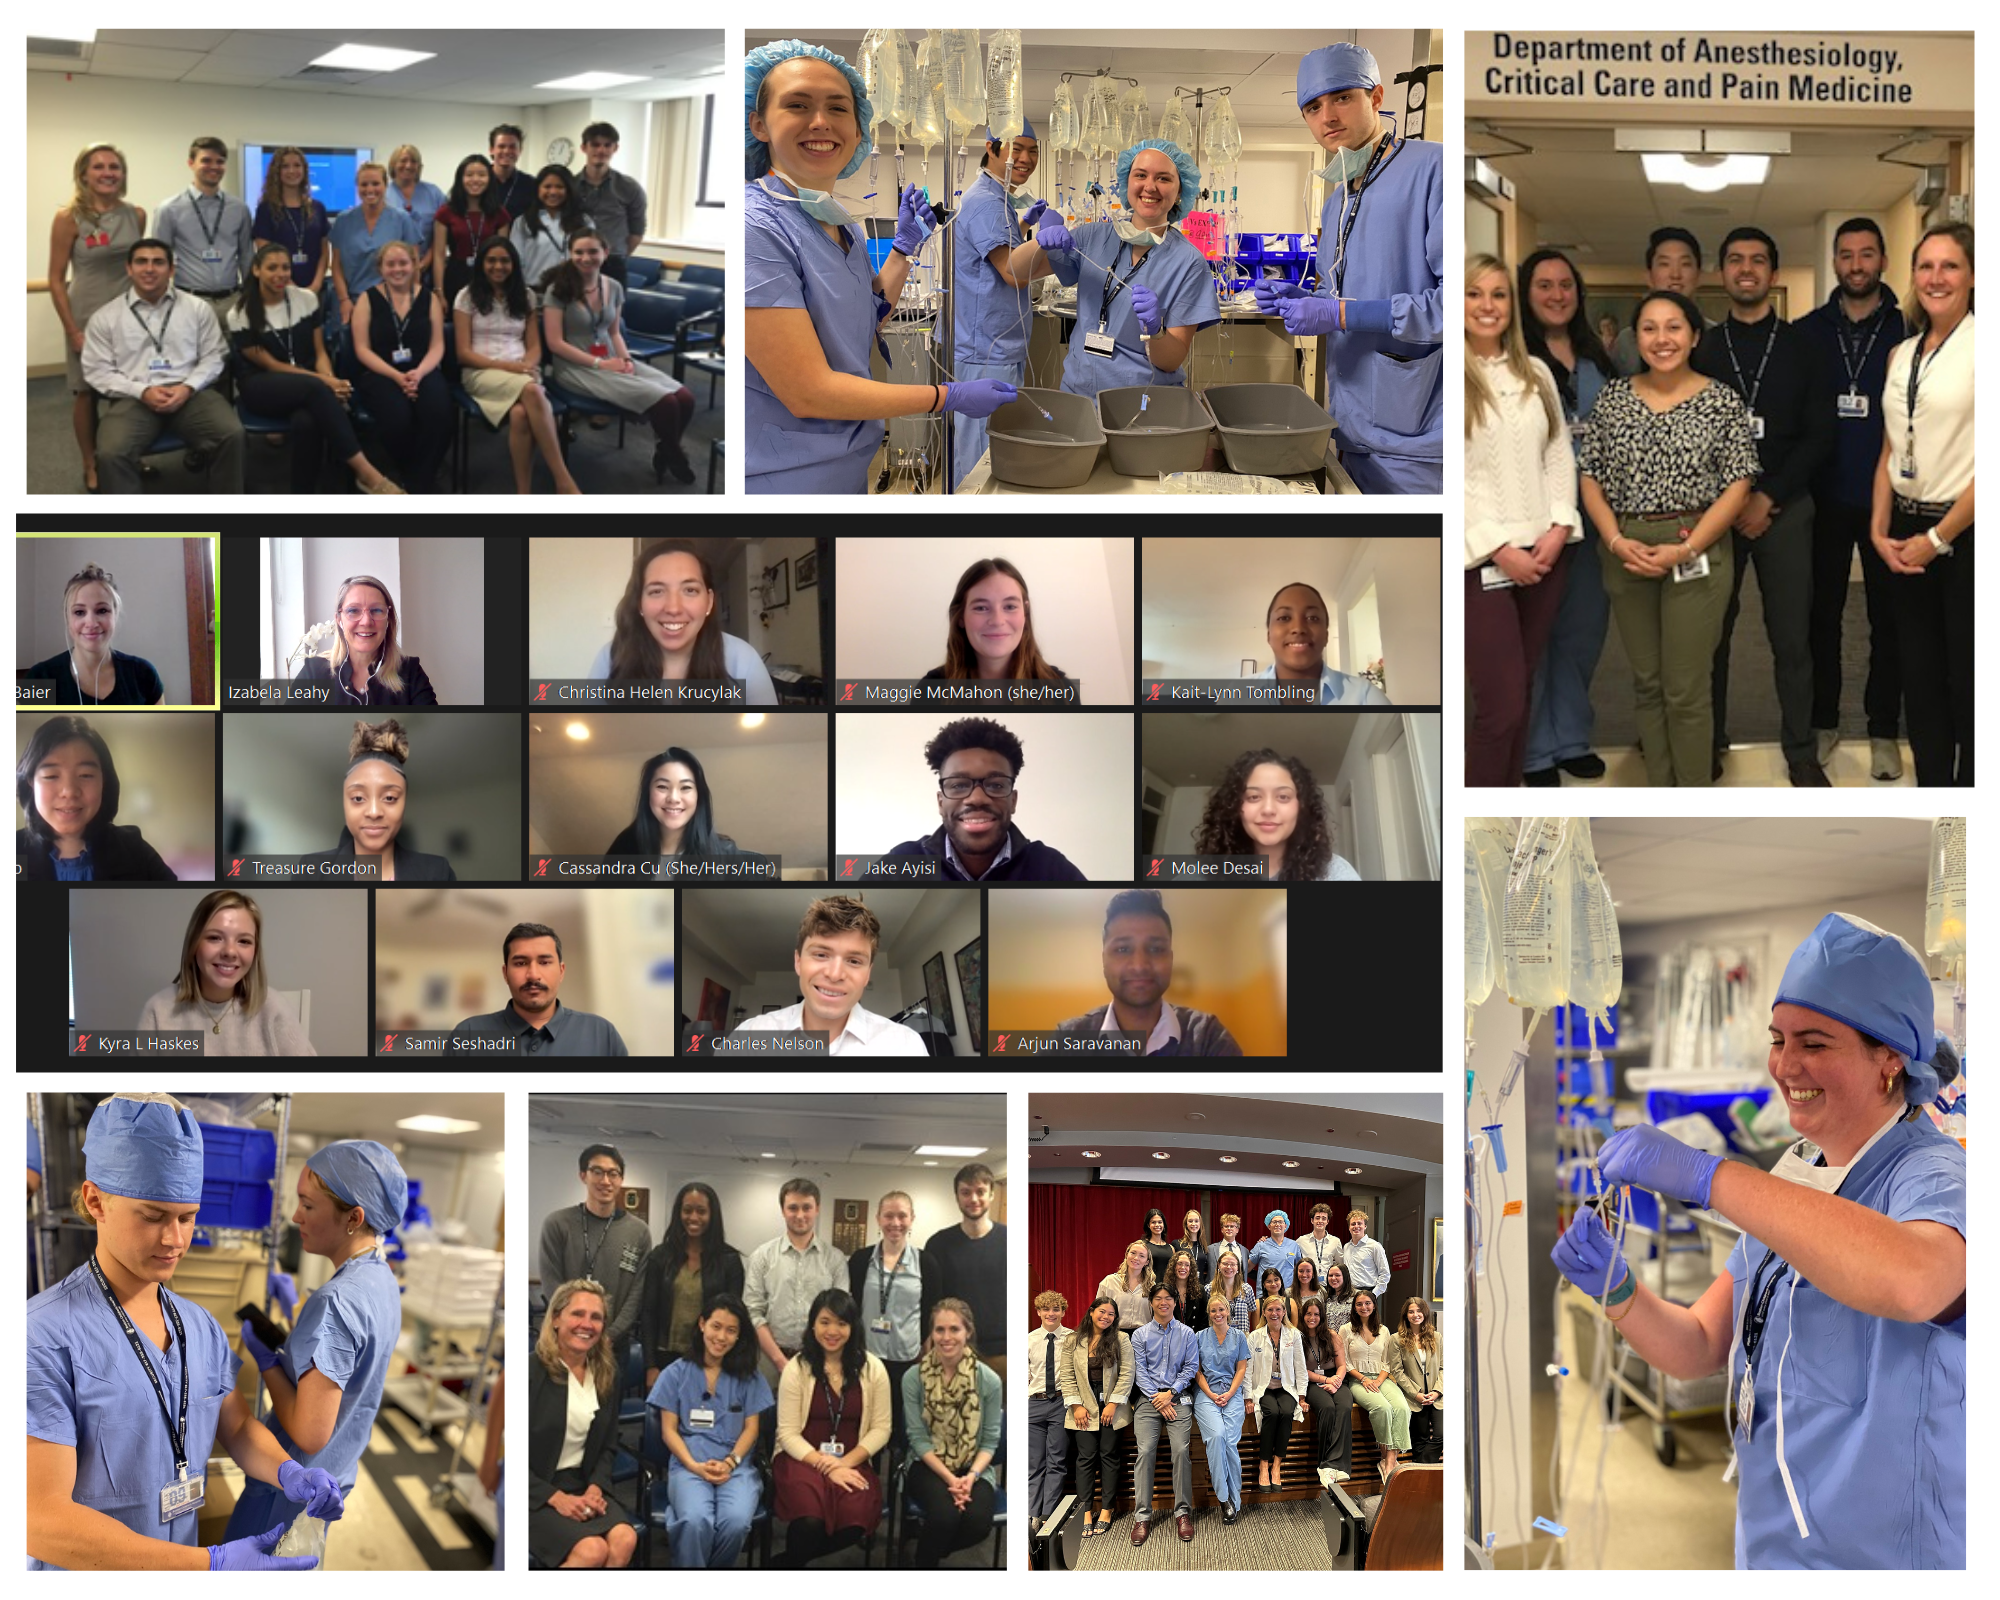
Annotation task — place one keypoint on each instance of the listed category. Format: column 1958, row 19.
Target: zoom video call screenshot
column 1014, row 795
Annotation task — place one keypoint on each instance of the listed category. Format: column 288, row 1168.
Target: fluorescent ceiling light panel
column 430, row 1124
column 950, row 1150
column 591, row 80
column 62, row 30
column 372, row 58
column 1706, row 174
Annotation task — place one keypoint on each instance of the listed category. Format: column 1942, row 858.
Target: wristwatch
column 1941, row 546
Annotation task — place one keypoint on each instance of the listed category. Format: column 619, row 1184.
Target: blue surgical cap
column 1868, row 978
column 1183, row 164
column 144, row 1147
column 1276, row 1216
column 365, row 1174
column 1027, row 132
column 1334, row 67
column 757, row 154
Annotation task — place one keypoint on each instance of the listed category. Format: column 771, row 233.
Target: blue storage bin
column 237, row 1166
column 878, row 254
column 1662, row 1104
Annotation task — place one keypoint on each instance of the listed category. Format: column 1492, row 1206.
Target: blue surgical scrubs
column 347, row 1329
column 791, row 263
column 993, row 319
column 1222, row 1426
column 1384, row 376
column 708, row 1522
column 1874, row 1408
column 86, row 1392
column 1560, row 714
column 358, row 244
column 1173, row 269
column 1280, row 1253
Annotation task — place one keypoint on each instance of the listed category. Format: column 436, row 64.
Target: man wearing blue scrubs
column 993, row 319
column 1381, row 279
column 1840, row 1319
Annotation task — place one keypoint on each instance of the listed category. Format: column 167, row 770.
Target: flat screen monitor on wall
column 332, row 166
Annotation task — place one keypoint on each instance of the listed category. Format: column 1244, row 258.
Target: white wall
column 1075, row 785
column 1079, row 595
column 1365, row 776
column 124, row 948
column 573, row 587
column 1408, row 579
column 443, row 605
column 151, row 583
column 945, row 925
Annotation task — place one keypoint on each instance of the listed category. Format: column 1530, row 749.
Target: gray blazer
column 1073, row 1361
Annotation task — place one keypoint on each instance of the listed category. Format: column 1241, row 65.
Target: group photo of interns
column 768, row 1329
column 1767, row 376
column 305, row 312
column 1225, row 1285
column 633, row 796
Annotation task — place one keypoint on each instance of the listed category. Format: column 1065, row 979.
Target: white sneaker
column 1885, row 759
column 1828, row 738
column 1329, row 1476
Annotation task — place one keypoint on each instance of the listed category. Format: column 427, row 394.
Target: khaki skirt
column 495, row 391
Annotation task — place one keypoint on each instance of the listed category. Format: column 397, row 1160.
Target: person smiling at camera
column 1296, row 627
column 977, row 762
column 834, row 959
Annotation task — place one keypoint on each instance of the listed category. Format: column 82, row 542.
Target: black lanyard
column 590, row 1254
column 177, row 1436
column 887, row 1277
column 1856, row 368
column 1111, row 287
column 159, row 343
column 1729, row 344
column 1916, row 376
column 221, row 208
column 1390, row 146
column 1757, row 1305
column 298, row 227
column 834, row 1412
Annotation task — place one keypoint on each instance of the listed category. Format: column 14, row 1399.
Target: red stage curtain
column 1078, row 1232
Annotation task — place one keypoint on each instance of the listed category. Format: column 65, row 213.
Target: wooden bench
column 1301, row 1472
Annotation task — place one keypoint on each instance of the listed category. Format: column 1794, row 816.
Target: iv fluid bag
column 882, row 73
column 1174, row 127
column 1596, row 957
column 1944, row 898
column 1479, row 966
column 1535, row 922
column 926, row 100
column 1135, row 117
column 964, row 79
column 1063, row 130
column 1004, row 112
column 1097, row 132
column 1222, row 139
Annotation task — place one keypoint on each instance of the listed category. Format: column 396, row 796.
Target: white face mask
column 1347, row 165
column 1129, row 231
column 1797, row 1164
column 819, row 204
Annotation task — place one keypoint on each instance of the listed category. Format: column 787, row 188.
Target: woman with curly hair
column 1270, row 805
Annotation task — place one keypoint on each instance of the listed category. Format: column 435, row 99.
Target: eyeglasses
column 603, row 1172
column 958, row 788
column 355, row 614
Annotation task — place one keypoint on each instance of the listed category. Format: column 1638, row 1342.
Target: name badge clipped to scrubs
column 1693, row 567
column 1756, row 427
column 181, row 1497
column 1100, row 343
column 298, row 258
column 1852, row 405
column 1746, row 1399
column 701, row 1419
column 181, row 1494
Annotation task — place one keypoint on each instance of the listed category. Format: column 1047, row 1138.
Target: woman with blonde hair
column 89, row 672
column 1130, row 1288
column 416, row 199
column 1520, row 520
column 572, row 1427
column 955, row 1411
column 87, row 248
column 1234, row 1288
column 367, row 665
column 220, row 993
column 1277, row 1387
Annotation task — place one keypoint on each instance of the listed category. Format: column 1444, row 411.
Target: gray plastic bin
column 1169, row 435
column 1058, row 451
column 1269, row 428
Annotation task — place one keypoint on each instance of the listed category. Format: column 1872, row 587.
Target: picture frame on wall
column 714, row 1005
column 805, row 571
column 938, row 993
column 970, row 959
column 1437, row 1259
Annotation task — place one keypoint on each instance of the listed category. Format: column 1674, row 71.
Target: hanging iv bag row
column 1558, row 931
column 1944, row 896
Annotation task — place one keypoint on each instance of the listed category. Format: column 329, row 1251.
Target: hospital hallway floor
column 1754, row 759
column 390, row 1524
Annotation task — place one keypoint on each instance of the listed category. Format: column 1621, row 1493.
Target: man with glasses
column 978, row 762
column 599, row 1239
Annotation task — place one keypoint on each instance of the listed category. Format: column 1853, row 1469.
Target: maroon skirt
column 803, row 1492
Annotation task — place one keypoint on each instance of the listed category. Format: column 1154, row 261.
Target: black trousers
column 1275, row 1431
column 1426, row 1435
column 1100, row 1458
column 946, row 1528
column 1837, row 532
column 1048, row 1455
column 1333, row 1426
column 1934, row 634
column 899, row 1436
column 319, row 422
column 417, row 433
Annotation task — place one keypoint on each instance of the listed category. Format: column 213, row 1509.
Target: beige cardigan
column 795, row 1386
column 1073, row 1366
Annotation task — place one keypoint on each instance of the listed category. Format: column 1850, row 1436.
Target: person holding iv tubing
column 1840, row 1320
column 1380, row 298
column 995, row 315
column 325, row 1384
column 1148, row 289
column 130, row 1387
column 813, row 301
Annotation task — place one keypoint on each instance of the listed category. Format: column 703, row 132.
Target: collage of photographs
column 670, row 793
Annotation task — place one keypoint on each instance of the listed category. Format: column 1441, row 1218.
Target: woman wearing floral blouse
column 1666, row 466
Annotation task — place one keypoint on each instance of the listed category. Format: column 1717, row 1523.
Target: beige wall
column 166, row 780
column 151, row 583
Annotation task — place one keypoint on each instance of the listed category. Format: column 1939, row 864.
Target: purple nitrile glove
column 914, row 221
column 1033, row 214
column 1271, row 294
column 257, row 1350
column 284, row 1289
column 1053, row 236
column 1309, row 314
column 1660, row 1162
column 1146, row 307
column 312, row 1487
column 978, row 397
column 1585, row 1255
column 254, row 1555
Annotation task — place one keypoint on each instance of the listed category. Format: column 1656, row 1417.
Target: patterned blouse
column 1654, row 463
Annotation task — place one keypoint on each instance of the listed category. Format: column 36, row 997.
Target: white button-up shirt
column 118, row 344
column 866, row 1034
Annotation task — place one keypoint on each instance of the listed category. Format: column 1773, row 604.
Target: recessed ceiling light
column 930, row 1163
column 591, row 80
column 751, row 719
column 578, row 730
column 950, row 1150
column 372, row 58
column 1291, row 1163
column 1196, row 1116
column 1370, row 1133
column 767, row 1154
column 1093, row 1153
column 1843, row 833
column 1230, row 1159
column 430, row 1124
column 1160, row 1155
column 1354, row 1172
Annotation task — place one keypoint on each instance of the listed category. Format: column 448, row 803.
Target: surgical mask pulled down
column 819, row 204
column 1129, row 231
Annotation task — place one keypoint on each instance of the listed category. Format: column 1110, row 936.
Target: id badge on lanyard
column 1692, row 568
column 1853, row 406
column 1100, row 343
column 701, row 1419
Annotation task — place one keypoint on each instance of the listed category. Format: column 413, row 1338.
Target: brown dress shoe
column 1184, row 1526
column 1139, row 1530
